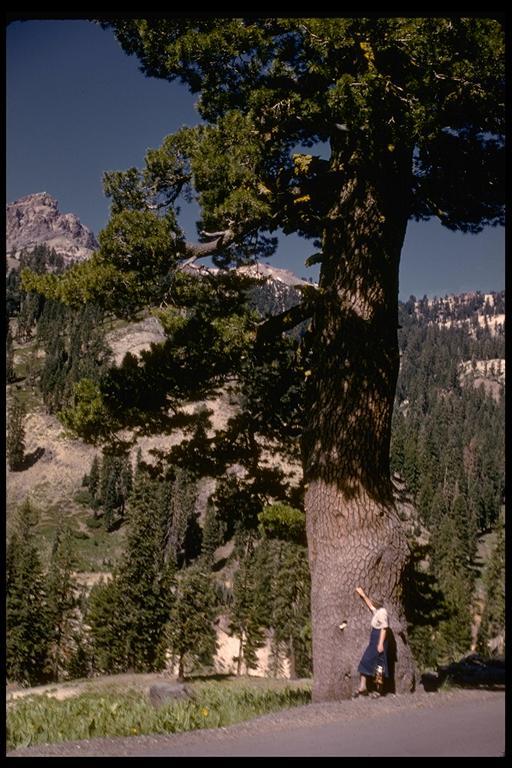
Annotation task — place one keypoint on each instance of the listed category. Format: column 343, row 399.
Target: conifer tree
column 212, row 536
column 16, row 433
column 191, row 631
column 12, row 293
column 9, row 357
column 53, row 375
column 127, row 615
column 284, row 539
column 291, row 606
column 144, row 581
column 111, row 497
column 94, row 479
column 28, row 627
column 449, row 562
column 466, row 527
column 114, row 487
column 62, row 602
column 79, row 663
column 105, row 619
column 28, row 315
column 411, row 110
column 184, row 533
column 249, row 610
column 493, row 619
column 139, row 467
column 125, row 481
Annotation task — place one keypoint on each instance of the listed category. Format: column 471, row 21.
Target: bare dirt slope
column 112, row 683
column 54, row 463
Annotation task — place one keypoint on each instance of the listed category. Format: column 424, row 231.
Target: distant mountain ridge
column 471, row 310
column 35, row 219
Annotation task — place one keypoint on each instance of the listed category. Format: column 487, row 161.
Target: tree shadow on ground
column 473, row 671
column 29, row 460
column 217, row 676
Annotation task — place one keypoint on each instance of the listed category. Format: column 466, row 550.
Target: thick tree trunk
column 291, row 660
column 354, row 534
column 240, row 655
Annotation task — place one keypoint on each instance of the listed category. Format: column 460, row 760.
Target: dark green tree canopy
column 372, row 87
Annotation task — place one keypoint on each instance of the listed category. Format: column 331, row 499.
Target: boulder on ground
column 162, row 693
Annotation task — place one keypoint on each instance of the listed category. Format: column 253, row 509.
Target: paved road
column 452, row 724
column 468, row 731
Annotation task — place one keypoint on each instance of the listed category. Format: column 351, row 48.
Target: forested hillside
column 448, row 446
column 184, row 553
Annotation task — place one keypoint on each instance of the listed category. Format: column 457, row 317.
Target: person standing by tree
column 375, row 654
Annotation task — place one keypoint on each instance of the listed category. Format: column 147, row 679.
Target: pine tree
column 425, row 499
column 465, row 524
column 29, row 313
column 138, row 466
column 29, row 630
column 127, row 615
column 284, row 539
column 111, row 496
column 105, row 618
column 62, row 602
column 407, row 136
column 10, row 373
column 191, row 632
column 12, row 293
column 291, row 606
column 184, row 533
column 493, row 618
column 212, row 536
column 145, row 581
column 249, row 610
column 125, row 482
column 16, row 434
column 450, row 566
column 94, row 479
column 80, row 662
column 53, row 374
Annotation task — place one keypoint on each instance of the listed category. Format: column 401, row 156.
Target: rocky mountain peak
column 35, row 219
column 266, row 271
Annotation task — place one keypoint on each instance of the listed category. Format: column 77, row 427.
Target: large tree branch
column 195, row 251
column 284, row 321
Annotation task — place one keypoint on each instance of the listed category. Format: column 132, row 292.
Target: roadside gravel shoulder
column 303, row 717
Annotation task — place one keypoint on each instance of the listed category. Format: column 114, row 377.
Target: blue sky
column 78, row 106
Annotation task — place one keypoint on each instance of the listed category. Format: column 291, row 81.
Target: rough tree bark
column 354, row 533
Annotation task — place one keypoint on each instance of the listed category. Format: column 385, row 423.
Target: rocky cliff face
column 35, row 219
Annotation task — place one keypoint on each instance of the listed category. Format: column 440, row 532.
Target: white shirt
column 380, row 619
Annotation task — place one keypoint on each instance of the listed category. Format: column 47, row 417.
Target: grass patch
column 27, row 363
column 41, row 719
column 100, row 549
column 26, row 394
column 93, row 548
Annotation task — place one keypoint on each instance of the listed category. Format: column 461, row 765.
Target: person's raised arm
column 361, row 593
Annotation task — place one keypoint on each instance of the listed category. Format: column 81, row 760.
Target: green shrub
column 79, row 534
column 84, row 498
column 93, row 522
